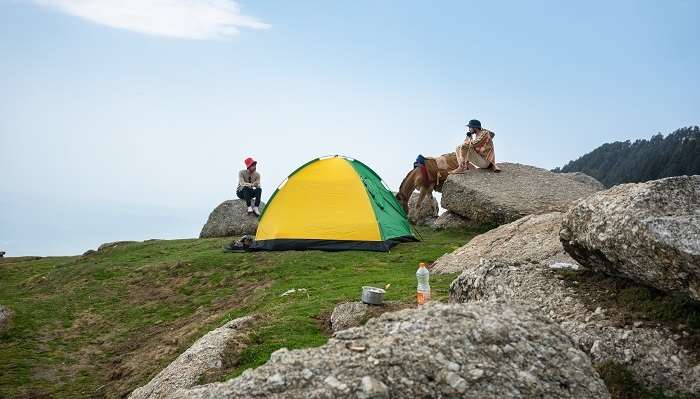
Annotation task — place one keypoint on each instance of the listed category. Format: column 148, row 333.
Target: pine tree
column 656, row 158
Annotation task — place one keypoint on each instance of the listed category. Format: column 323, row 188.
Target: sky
column 129, row 120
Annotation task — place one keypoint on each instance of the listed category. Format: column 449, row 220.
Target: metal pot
column 372, row 295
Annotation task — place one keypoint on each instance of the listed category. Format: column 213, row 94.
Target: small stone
column 276, row 379
column 335, row 384
column 307, row 374
column 475, row 374
column 358, row 348
column 348, row 314
column 458, row 383
column 5, row 317
column 453, row 366
column 527, row 377
column 372, row 388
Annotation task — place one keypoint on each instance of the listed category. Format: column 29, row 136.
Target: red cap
column 250, row 162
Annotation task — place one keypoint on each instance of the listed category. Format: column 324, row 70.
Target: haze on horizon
column 130, row 122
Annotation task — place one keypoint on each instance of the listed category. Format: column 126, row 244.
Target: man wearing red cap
column 249, row 186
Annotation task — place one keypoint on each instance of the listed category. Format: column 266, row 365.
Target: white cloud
column 187, row 19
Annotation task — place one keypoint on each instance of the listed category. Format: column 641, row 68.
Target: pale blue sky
column 131, row 121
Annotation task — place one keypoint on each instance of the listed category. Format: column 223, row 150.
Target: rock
column 519, row 190
column 371, row 388
column 5, row 317
column 452, row 221
column 353, row 314
column 424, row 215
column 229, row 219
column 204, row 354
column 114, row 244
column 646, row 352
column 349, row 314
column 648, row 232
column 533, row 238
column 89, row 252
column 585, row 179
column 411, row 353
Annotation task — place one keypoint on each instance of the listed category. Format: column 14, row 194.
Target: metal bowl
column 372, row 295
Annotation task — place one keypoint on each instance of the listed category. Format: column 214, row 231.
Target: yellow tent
column 334, row 203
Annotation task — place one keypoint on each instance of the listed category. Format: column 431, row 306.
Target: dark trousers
column 248, row 193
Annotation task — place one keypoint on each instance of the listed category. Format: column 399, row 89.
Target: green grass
column 622, row 385
column 633, row 301
column 102, row 325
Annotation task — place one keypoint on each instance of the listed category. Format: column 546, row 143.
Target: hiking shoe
column 256, row 211
column 250, row 209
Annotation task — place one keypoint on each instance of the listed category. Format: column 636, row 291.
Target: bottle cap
column 421, row 264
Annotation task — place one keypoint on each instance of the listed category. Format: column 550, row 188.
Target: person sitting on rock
column 477, row 149
column 249, row 186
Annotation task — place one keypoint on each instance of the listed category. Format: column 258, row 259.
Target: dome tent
column 333, row 204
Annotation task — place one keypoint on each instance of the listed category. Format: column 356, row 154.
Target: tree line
column 642, row 160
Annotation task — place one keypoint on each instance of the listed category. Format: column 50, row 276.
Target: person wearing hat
column 249, row 186
column 477, row 149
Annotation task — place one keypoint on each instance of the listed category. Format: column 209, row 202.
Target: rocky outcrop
column 348, row 314
column 648, row 232
column 202, row 356
column 452, row 221
column 426, row 213
column 229, row 219
column 109, row 245
column 653, row 355
column 585, row 179
column 114, row 244
column 460, row 350
column 519, row 190
column 533, row 238
column 5, row 317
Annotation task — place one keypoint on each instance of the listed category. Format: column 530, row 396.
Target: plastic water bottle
column 423, row 291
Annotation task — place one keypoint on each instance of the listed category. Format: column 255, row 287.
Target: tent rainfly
column 332, row 204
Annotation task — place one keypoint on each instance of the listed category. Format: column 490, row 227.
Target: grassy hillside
column 103, row 324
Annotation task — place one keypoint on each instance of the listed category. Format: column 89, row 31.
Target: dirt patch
column 119, row 359
column 155, row 348
column 323, row 321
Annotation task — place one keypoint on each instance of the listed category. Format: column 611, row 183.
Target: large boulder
column 460, row 350
column 648, row 232
column 426, row 213
column 533, row 238
column 229, row 219
column 519, row 190
column 204, row 355
column 452, row 221
column 504, row 264
column 585, row 179
column 656, row 357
